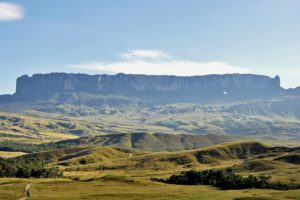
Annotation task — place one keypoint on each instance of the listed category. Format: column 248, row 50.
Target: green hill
column 147, row 141
column 245, row 157
column 88, row 170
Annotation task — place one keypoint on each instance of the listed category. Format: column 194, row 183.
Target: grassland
column 124, row 188
column 112, row 173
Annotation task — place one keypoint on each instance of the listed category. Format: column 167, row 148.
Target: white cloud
column 144, row 54
column 160, row 63
column 10, row 12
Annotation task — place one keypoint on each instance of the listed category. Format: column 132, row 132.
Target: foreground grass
column 124, row 188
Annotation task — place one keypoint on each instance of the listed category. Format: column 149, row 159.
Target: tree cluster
column 22, row 147
column 27, row 169
column 224, row 179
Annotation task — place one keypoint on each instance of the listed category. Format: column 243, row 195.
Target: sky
column 176, row 37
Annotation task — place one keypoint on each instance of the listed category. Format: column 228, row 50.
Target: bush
column 27, row 169
column 83, row 161
column 224, row 179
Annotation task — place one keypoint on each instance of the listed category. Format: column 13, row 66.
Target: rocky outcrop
column 161, row 89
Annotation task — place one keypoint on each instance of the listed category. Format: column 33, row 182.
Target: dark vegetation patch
column 11, row 119
column 56, row 155
column 15, row 130
column 266, row 155
column 125, row 179
column 225, row 179
column 66, row 125
column 83, row 161
column 253, row 198
column 77, row 132
column 234, row 151
column 6, row 135
column 33, row 148
column 51, row 126
column 22, row 147
column 118, row 167
column 167, row 124
column 293, row 159
column 27, row 169
column 178, row 159
column 75, row 155
column 256, row 165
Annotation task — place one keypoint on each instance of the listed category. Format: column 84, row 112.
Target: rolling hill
column 244, row 157
column 109, row 172
column 147, row 141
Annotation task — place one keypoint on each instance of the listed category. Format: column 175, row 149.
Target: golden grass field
column 109, row 173
column 123, row 188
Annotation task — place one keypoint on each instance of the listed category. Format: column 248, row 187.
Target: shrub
column 83, row 161
column 27, row 169
column 224, row 179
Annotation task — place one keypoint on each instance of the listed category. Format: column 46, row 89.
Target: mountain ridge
column 147, row 88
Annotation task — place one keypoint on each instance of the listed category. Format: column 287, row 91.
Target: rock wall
column 154, row 88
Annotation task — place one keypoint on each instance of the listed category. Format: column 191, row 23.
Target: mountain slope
column 242, row 156
column 147, row 141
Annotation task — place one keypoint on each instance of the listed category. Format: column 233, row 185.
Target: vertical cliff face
column 157, row 88
column 56, row 82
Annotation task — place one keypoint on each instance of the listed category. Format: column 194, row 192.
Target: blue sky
column 181, row 37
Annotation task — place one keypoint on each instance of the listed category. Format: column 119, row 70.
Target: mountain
column 232, row 104
column 147, row 141
column 126, row 88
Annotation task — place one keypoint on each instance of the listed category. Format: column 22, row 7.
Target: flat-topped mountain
column 60, row 87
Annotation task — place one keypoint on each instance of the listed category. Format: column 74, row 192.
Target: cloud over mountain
column 155, row 62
